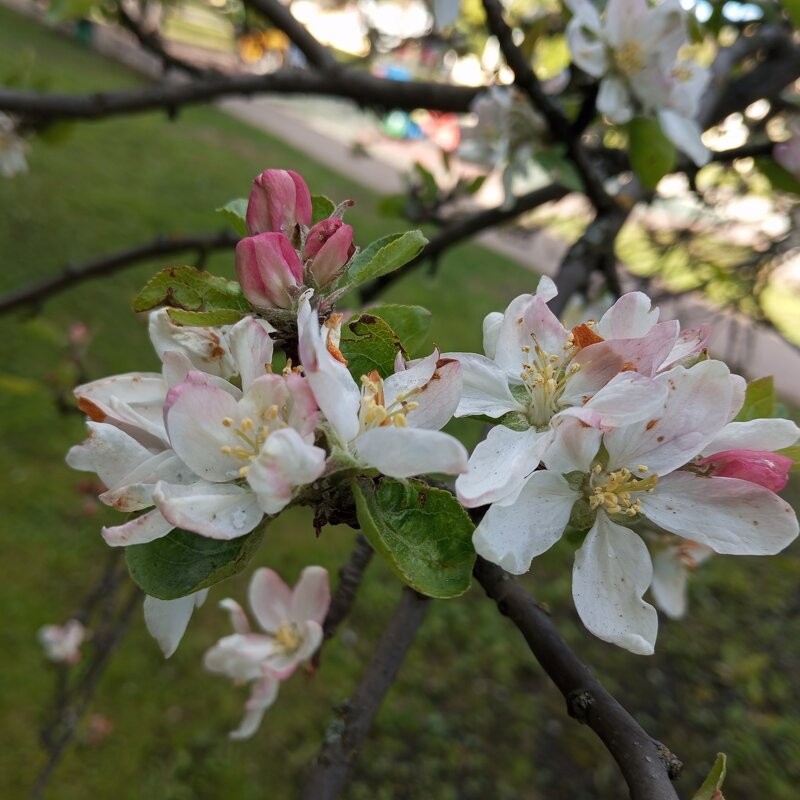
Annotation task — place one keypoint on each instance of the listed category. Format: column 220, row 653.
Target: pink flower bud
column 267, row 266
column 328, row 248
column 757, row 466
column 278, row 201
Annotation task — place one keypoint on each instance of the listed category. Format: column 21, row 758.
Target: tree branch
column 646, row 764
column 108, row 265
column 560, row 127
column 346, row 735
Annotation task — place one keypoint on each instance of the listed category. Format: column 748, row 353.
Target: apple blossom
column 292, row 623
column 279, row 200
column 642, row 470
column 328, row 247
column 62, row 643
column 269, row 270
column 535, row 371
column 635, row 50
column 390, row 425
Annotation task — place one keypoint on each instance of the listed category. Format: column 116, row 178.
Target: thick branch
column 560, row 127
column 645, row 763
column 465, row 228
column 345, row 736
column 108, row 265
column 362, row 87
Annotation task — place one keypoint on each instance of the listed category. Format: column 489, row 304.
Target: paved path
column 380, row 163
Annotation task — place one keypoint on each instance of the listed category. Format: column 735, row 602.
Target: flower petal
column 612, row 571
column 757, row 434
column 484, row 388
column 614, row 100
column 166, row 620
column 512, row 536
column 262, row 696
column 311, row 596
column 142, row 529
column 270, row 598
column 632, row 316
column 685, row 134
column 239, row 621
column 251, row 348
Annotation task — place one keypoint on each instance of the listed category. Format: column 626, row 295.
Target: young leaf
column 235, row 212
column 182, row 562
column 383, row 256
column 368, row 343
column 712, row 785
column 423, row 533
column 410, row 323
column 192, row 290
column 652, row 154
column 759, row 400
column 224, row 316
column 321, row 208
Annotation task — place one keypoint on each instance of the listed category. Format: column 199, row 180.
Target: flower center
column 374, row 413
column 544, row 377
column 251, row 436
column 612, row 491
column 288, row 636
column 629, row 58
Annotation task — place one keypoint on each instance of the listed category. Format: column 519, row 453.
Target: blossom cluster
column 619, row 432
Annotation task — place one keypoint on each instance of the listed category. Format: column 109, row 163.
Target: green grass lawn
column 472, row 715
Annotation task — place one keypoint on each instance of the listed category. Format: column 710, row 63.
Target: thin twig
column 345, row 735
column 108, row 265
column 647, row 766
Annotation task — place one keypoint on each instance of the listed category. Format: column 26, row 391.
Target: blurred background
column 472, row 715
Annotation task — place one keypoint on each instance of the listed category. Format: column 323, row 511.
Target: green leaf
column 368, row 344
column 559, row 168
column 652, row 155
column 759, row 400
column 61, row 10
column 422, row 532
column 712, row 785
column 192, row 290
column 182, row 562
column 792, row 452
column 410, row 323
column 321, row 208
column 384, row 256
column 235, row 212
column 224, row 316
column 779, row 177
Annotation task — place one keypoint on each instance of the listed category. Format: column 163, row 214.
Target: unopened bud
column 267, row 267
column 328, row 247
column 278, row 201
column 756, row 466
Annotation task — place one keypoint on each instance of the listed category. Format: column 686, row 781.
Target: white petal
column 166, row 620
column 670, row 577
column 612, row 572
column 142, row 529
column 500, row 465
column 239, row 621
column 311, row 596
column 512, row 536
column 629, row 397
column 574, row 447
column 403, row 452
column 726, row 514
column 738, row 392
column 630, row 317
column 262, row 696
column 684, row 133
column 689, row 343
column 270, row 598
column 438, row 400
column 136, row 491
column 484, row 389
column 614, row 100
column 215, row 510
column 492, row 323
column 757, row 434
column 251, row 348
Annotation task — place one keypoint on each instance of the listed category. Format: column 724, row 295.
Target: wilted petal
column 512, row 536
column 612, row 572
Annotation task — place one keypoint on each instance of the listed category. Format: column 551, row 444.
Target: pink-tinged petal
column 404, row 452
column 413, row 376
column 167, row 620
column 240, row 657
column 286, row 462
column 216, row 510
column 303, row 207
column 512, row 536
column 278, row 201
column 546, row 288
column 262, row 696
column 623, row 17
column 311, row 596
column 484, row 387
column 437, row 399
column 726, row 514
column 757, row 434
column 612, row 571
column 109, row 452
column 757, row 466
column 268, row 269
column 312, row 639
column 239, row 621
column 574, row 445
column 500, row 465
column 270, row 599
column 62, row 643
column 303, row 412
column 251, row 348
column 631, row 317
column 695, row 411
column 337, row 394
column 145, row 528
column 328, row 246
column 690, row 342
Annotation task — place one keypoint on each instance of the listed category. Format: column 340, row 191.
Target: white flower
column 389, row 425
column 166, row 620
column 12, row 148
column 292, row 624
column 635, row 49
column 62, row 643
column 643, row 472
column 537, row 371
